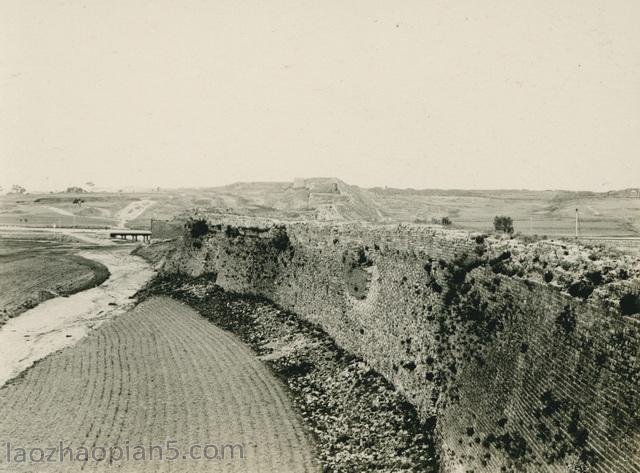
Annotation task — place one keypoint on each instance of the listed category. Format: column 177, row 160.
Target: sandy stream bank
column 62, row 321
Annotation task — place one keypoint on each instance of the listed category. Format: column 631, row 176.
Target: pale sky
column 406, row 93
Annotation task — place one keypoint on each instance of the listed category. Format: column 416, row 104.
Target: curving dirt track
column 132, row 211
column 159, row 372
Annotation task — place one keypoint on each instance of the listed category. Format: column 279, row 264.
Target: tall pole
column 576, row 223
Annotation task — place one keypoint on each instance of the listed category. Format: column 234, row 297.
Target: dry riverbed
column 56, row 322
column 33, row 271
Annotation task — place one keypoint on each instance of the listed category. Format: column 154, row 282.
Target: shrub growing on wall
column 198, row 228
column 630, row 304
column 280, row 238
column 502, row 223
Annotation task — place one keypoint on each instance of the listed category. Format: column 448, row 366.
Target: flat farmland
column 97, row 210
column 158, row 372
column 554, row 226
column 543, row 213
column 550, row 213
column 35, row 269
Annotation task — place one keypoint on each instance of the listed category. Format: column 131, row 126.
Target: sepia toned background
column 425, row 94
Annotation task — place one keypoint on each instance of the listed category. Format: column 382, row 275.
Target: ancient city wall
column 166, row 229
column 515, row 373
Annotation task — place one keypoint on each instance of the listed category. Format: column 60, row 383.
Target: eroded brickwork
column 517, row 375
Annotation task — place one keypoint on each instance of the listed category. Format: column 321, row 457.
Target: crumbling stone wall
column 517, row 375
column 166, row 229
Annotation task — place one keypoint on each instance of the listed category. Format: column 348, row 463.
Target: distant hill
column 552, row 212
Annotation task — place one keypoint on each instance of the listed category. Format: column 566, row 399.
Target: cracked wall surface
column 518, row 374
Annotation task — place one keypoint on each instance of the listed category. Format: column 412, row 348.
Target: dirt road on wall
column 158, row 373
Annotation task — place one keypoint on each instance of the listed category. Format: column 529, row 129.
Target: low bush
column 198, row 228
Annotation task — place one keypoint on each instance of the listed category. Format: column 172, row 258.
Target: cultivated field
column 37, row 268
column 97, row 210
column 550, row 213
column 160, row 372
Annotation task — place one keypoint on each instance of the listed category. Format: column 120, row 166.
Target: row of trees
column 18, row 189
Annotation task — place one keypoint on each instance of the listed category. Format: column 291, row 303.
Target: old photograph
column 296, row 236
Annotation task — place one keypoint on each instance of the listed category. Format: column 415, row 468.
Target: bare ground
column 30, row 277
column 62, row 321
column 360, row 422
column 158, row 372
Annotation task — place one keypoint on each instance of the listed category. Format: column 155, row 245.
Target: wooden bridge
column 134, row 234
